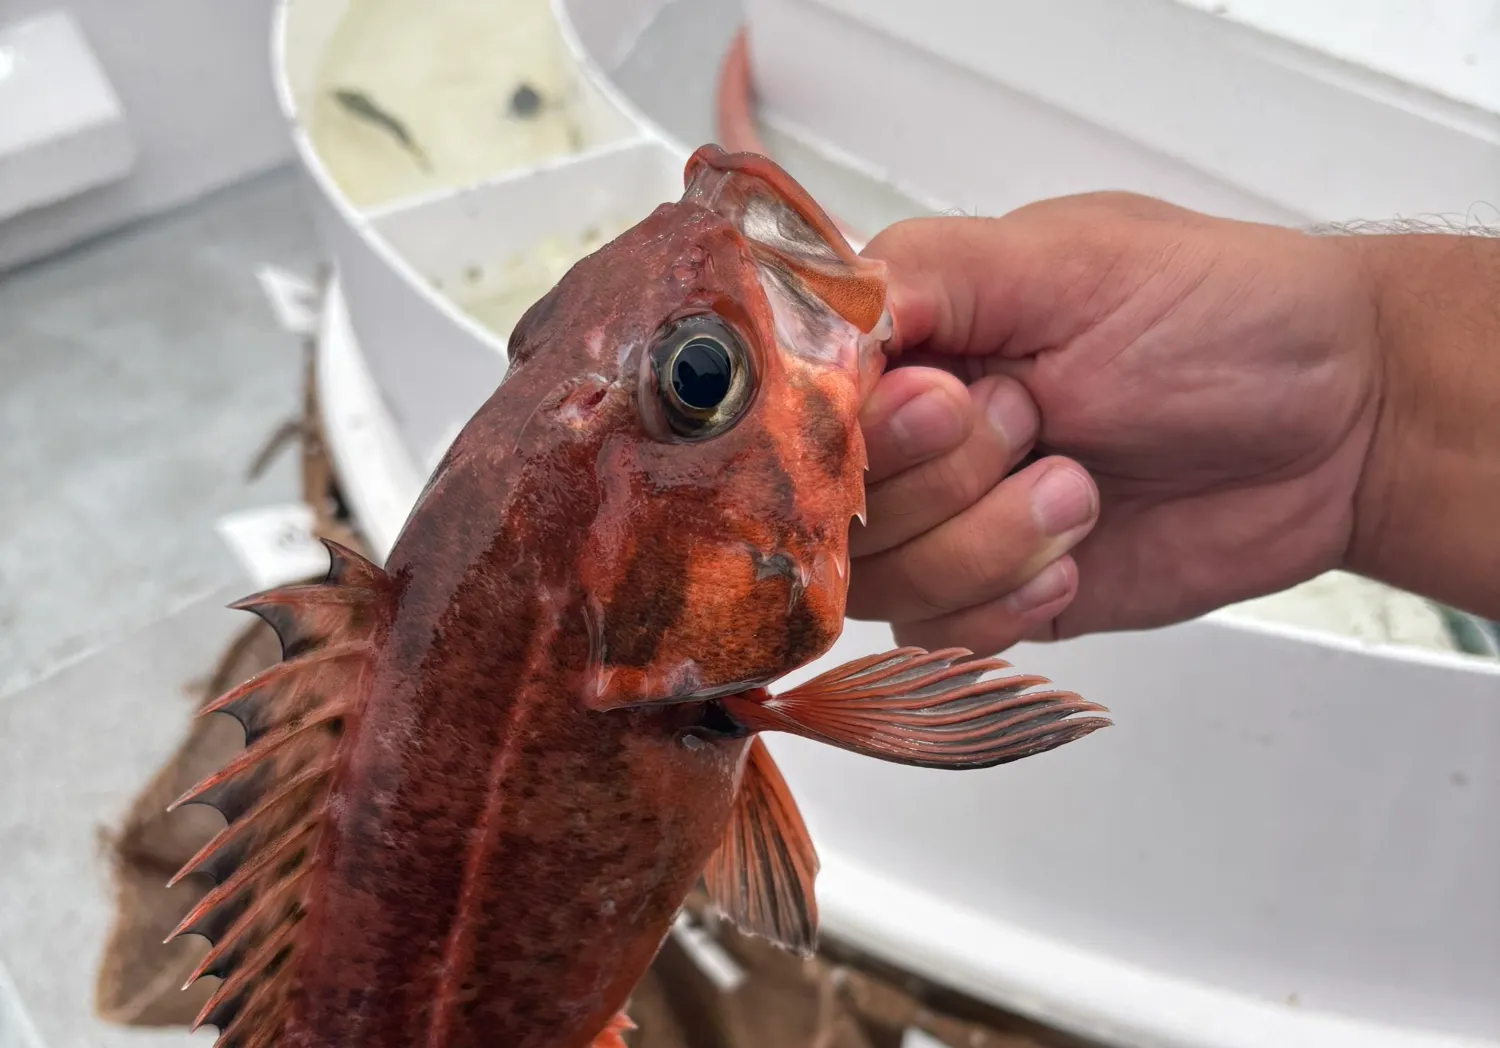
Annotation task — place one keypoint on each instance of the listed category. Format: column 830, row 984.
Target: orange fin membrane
column 789, row 230
column 274, row 794
column 613, row 1034
column 929, row 709
column 761, row 876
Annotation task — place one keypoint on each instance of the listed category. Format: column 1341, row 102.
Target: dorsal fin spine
column 282, row 670
column 257, row 909
column 274, row 793
column 304, row 593
column 239, row 826
column 253, row 866
column 247, row 970
column 266, row 746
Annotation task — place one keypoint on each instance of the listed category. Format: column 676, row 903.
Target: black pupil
column 701, row 372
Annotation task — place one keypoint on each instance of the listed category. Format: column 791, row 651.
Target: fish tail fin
column 274, row 794
column 932, row 709
column 612, row 1036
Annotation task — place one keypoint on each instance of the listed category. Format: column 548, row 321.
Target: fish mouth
column 712, row 722
column 716, row 718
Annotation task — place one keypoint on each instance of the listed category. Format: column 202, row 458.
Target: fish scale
column 484, row 778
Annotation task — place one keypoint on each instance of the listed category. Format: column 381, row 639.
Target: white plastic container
column 1287, row 840
column 1258, row 110
column 421, row 348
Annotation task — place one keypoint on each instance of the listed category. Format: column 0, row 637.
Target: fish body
column 486, row 775
column 362, row 106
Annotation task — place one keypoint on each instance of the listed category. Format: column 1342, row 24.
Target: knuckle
column 957, row 481
column 957, row 564
column 979, row 566
column 907, row 505
column 926, row 589
column 992, row 568
column 940, row 577
column 891, row 505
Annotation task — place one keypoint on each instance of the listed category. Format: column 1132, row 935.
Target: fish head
column 728, row 341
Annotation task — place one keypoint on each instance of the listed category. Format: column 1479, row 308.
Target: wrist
column 1367, row 255
column 1429, row 490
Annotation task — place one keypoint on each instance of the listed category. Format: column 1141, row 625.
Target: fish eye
column 701, row 371
column 702, row 375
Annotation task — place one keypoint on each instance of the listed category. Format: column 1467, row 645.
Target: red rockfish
column 485, row 776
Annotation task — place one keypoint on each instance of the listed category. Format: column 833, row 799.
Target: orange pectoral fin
column 761, row 876
column 613, row 1035
column 930, row 709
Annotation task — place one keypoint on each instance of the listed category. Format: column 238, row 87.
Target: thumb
column 1008, row 286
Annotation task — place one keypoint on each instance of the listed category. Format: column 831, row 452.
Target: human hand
column 1202, row 392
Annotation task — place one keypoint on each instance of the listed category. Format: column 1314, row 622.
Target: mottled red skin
column 516, row 817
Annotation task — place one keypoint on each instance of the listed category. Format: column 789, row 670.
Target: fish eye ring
column 702, row 376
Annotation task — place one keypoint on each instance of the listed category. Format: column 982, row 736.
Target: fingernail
column 1011, row 414
column 1062, row 501
column 1048, row 585
column 927, row 424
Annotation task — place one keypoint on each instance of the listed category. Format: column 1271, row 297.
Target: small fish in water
column 525, row 101
column 485, row 777
column 359, row 104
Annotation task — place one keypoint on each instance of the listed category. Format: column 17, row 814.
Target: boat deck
column 143, row 372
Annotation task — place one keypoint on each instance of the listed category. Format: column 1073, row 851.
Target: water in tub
column 496, row 296
column 419, row 95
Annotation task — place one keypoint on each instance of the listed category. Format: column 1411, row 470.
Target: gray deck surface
column 139, row 375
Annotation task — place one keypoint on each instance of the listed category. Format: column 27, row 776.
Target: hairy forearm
column 1427, row 514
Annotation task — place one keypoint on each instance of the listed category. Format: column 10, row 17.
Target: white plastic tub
column 1265, row 111
column 1288, row 839
column 421, row 347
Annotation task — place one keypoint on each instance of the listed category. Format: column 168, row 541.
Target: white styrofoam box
column 62, row 128
column 993, row 103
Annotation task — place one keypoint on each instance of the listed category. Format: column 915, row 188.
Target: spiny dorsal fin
column 274, row 794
